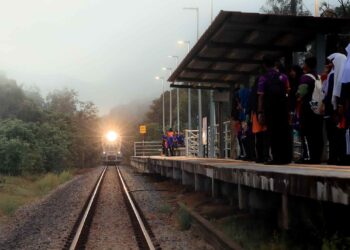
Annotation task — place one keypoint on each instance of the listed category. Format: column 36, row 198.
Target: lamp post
column 162, row 79
column 177, row 97
column 171, row 102
column 316, row 7
column 189, row 90
column 211, row 144
column 200, row 151
column 197, row 17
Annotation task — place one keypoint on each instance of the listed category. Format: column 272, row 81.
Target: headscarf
column 338, row 60
column 346, row 73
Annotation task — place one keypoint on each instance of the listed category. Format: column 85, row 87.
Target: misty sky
column 107, row 50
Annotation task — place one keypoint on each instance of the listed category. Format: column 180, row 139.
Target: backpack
column 316, row 102
column 275, row 93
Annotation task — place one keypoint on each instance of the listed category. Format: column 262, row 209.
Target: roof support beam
column 205, row 87
column 255, row 47
column 218, row 71
column 228, row 60
column 200, row 80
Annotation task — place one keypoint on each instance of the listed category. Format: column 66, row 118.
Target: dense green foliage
column 38, row 135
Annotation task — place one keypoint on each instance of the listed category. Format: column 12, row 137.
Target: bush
column 184, row 219
column 165, row 209
column 9, row 205
column 65, row 176
column 47, row 183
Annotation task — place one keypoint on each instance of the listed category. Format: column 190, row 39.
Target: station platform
column 317, row 182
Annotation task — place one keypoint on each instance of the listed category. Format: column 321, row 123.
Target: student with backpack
column 273, row 111
column 310, row 97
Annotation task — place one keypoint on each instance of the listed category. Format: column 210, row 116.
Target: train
column 111, row 146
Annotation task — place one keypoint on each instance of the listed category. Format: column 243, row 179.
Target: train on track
column 111, row 145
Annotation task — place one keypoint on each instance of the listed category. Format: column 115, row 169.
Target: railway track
column 80, row 233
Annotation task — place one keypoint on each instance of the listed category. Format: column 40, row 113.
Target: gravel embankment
column 163, row 222
column 47, row 223
column 111, row 227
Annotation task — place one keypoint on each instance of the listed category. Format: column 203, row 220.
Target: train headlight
column 111, row 136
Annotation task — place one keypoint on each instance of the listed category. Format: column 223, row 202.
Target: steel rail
column 77, row 237
column 136, row 213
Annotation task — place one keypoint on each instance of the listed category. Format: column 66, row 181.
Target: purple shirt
column 305, row 80
column 263, row 80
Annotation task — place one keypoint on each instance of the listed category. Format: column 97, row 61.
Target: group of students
column 265, row 115
column 170, row 141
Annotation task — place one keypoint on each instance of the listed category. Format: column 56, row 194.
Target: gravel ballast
column 46, row 224
column 111, row 227
column 160, row 214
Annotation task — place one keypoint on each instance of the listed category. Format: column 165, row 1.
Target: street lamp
column 197, row 16
column 162, row 79
column 171, row 102
column 181, row 42
column 211, row 10
column 199, row 91
column 177, row 97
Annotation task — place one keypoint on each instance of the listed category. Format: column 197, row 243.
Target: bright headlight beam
column 111, row 136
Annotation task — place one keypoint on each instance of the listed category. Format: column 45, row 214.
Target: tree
column 62, row 101
column 343, row 10
column 19, row 150
column 86, row 147
column 45, row 136
column 12, row 98
column 285, row 7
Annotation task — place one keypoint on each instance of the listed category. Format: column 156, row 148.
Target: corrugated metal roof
column 232, row 48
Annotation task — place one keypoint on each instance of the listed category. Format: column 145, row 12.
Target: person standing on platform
column 295, row 74
column 311, row 124
column 345, row 97
column 258, row 130
column 164, row 145
column 335, row 128
column 273, row 88
column 237, row 151
column 170, row 142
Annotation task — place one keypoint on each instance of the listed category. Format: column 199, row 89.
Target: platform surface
column 295, row 169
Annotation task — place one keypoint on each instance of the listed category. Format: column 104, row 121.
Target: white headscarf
column 338, row 60
column 346, row 73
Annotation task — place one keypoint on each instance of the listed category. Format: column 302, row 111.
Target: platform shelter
column 231, row 50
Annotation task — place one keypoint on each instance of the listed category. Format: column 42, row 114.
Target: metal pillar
column 178, row 109
column 163, row 107
column 170, row 110
column 212, row 125
column 189, row 110
column 200, row 129
column 221, row 134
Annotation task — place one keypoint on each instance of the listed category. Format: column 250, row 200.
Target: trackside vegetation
column 41, row 135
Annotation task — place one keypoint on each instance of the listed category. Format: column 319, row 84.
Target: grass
column 251, row 233
column 165, row 209
column 184, row 219
column 18, row 191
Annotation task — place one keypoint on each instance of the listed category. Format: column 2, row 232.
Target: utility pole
column 316, row 7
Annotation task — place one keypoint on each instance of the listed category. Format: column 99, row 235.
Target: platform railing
column 191, row 142
column 147, row 148
column 227, row 139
